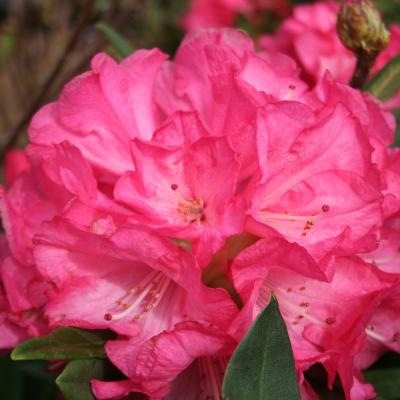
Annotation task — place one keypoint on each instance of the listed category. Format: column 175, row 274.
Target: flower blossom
column 327, row 321
column 166, row 200
column 310, row 37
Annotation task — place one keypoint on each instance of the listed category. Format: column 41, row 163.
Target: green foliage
column 387, row 82
column 262, row 367
column 390, row 10
column 74, row 381
column 122, row 46
column 63, row 343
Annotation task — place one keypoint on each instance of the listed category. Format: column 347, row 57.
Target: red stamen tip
column 325, row 208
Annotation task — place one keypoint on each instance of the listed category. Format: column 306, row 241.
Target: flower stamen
column 141, row 299
column 190, row 209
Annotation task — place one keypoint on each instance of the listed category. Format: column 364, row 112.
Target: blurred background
column 43, row 44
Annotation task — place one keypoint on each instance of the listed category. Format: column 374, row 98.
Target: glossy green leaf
column 74, row 381
column 63, row 343
column 387, row 82
column 122, row 46
column 262, row 367
column 386, row 382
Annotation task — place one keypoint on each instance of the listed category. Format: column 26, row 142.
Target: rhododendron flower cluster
column 166, row 200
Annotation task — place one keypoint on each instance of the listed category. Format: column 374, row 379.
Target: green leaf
column 385, row 381
column 74, row 381
column 262, row 367
column 387, row 82
column 122, row 46
column 63, row 343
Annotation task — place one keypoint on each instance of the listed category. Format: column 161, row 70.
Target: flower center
column 141, row 299
column 190, row 210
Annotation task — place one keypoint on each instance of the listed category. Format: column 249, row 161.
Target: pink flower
column 223, row 13
column 105, row 108
column 99, row 109
column 293, row 194
column 327, row 321
column 22, row 210
column 136, row 283
column 58, row 178
column 379, row 126
column 310, row 37
column 186, row 192
column 225, row 97
column 187, row 362
column 218, row 74
column 25, row 291
column 61, row 208
column 15, row 164
column 384, row 324
column 57, row 181
column 386, row 256
column 153, row 188
column 11, row 333
column 383, row 331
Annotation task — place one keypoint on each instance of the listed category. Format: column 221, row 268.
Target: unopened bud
column 361, row 28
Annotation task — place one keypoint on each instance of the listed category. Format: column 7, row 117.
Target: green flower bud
column 361, row 28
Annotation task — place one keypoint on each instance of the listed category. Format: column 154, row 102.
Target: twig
column 38, row 100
